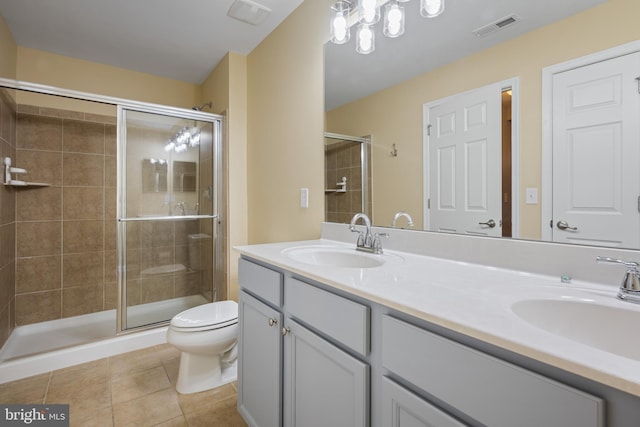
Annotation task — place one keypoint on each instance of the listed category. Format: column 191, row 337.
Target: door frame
column 546, row 169
column 512, row 84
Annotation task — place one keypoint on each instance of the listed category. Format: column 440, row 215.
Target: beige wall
column 8, row 52
column 285, row 127
column 41, row 67
column 610, row 24
column 226, row 87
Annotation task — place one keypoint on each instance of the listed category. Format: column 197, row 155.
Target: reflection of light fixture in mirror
column 393, row 20
column 367, row 13
column 340, row 30
column 185, row 138
column 431, row 8
column 366, row 42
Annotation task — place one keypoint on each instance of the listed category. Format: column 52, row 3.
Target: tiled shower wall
column 7, row 219
column 65, row 233
column 343, row 159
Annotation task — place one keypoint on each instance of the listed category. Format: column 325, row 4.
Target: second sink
column 596, row 325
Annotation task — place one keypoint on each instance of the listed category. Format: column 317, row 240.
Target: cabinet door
column 259, row 363
column 401, row 408
column 324, row 386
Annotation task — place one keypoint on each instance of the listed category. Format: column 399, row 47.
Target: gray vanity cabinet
column 295, row 366
column 402, row 408
column 324, row 386
column 260, row 339
column 260, row 358
column 492, row 391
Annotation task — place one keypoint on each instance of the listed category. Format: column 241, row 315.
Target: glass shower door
column 167, row 222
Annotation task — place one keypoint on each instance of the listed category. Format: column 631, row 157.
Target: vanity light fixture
column 367, row 13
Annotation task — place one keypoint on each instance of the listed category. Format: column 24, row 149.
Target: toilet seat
column 206, row 317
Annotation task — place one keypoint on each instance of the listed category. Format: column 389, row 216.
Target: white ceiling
column 178, row 39
column 185, row 39
column 429, row 43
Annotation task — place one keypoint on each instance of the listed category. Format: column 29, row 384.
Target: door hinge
column 551, row 223
column 638, row 203
column 429, row 126
column 638, row 80
column 428, row 203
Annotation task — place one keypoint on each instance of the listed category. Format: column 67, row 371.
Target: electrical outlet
column 531, row 196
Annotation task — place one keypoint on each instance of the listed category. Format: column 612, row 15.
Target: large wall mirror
column 386, row 94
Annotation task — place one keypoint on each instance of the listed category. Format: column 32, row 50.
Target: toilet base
column 199, row 373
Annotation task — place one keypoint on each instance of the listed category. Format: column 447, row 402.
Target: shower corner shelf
column 14, row 183
column 337, row 190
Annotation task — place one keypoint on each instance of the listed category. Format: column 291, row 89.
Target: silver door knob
column 273, row 322
column 563, row 225
column 285, row 330
column 491, row 223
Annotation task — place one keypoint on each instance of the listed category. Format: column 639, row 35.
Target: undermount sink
column 596, row 325
column 333, row 257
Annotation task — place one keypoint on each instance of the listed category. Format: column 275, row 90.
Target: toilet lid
column 215, row 314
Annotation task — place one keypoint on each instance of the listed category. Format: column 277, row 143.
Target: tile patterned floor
column 131, row 389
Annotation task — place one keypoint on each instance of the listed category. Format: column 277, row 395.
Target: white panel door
column 596, row 152
column 465, row 151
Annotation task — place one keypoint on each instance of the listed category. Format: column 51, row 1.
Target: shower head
column 200, row 107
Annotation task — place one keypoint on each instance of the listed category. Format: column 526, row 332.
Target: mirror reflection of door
column 596, row 153
column 468, row 172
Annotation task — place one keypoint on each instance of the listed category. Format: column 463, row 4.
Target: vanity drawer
column 343, row 320
column 260, row 281
column 494, row 392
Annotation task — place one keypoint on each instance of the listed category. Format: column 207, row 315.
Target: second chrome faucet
column 367, row 242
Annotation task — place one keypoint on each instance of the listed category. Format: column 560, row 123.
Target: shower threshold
column 86, row 328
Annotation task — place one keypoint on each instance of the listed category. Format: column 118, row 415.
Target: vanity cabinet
column 260, row 356
column 296, row 353
column 402, row 408
column 489, row 390
column 312, row 355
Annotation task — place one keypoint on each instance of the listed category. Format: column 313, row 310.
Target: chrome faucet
column 399, row 215
column 630, row 286
column 366, row 241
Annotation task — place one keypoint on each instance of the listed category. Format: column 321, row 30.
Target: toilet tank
column 196, row 243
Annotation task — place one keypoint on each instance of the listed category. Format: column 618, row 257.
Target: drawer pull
column 273, row 322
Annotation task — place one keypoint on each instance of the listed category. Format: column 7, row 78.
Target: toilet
column 206, row 335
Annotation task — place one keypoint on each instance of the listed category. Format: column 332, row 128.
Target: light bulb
column 393, row 20
column 366, row 39
column 369, row 12
column 340, row 32
column 431, row 8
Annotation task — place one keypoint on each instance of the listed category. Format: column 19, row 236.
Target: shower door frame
column 218, row 176
column 365, row 152
column 217, row 122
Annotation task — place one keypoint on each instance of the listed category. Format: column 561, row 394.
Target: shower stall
column 347, row 176
column 110, row 219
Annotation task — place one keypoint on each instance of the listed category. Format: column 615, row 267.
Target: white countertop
column 474, row 300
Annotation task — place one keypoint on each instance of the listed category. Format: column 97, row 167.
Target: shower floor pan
column 72, row 331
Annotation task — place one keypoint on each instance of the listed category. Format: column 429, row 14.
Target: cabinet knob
column 285, row 330
column 273, row 322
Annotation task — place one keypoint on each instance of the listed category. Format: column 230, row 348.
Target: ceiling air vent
column 496, row 26
column 248, row 11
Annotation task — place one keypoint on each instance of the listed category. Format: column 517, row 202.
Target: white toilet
column 207, row 336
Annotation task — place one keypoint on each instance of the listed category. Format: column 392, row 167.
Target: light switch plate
column 531, row 195
column 304, row 197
